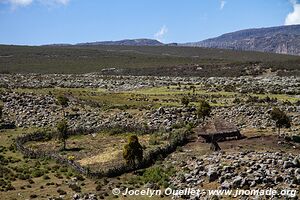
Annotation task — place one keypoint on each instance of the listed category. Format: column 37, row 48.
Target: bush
column 61, row 192
column 185, row 101
column 62, row 100
column 203, row 110
column 62, row 128
column 46, row 177
column 156, row 175
column 37, row 173
column 280, row 118
column 177, row 125
column 75, row 187
column 98, row 187
column 80, row 177
column 133, row 151
column 154, row 140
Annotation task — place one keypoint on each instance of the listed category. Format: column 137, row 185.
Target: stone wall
column 149, row 158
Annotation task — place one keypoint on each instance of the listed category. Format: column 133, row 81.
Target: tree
column 203, row 110
column 133, row 151
column 62, row 128
column 185, row 101
column 63, row 101
column 280, row 118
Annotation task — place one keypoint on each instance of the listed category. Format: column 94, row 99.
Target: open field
column 130, row 60
column 99, row 151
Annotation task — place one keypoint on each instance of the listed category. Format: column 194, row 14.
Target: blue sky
column 36, row 22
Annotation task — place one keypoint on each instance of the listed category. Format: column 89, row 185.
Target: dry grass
column 102, row 151
column 107, row 156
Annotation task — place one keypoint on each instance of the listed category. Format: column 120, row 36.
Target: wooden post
column 214, row 145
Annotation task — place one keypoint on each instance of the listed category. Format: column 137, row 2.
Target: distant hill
column 133, row 42
column 281, row 39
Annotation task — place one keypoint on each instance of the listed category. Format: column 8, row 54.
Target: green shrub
column 62, row 100
column 204, row 109
column 37, row 173
column 156, row 175
column 154, row 140
column 63, row 169
column 177, row 125
column 62, row 128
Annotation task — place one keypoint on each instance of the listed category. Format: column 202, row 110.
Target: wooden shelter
column 218, row 130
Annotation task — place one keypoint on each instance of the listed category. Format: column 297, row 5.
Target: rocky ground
column 227, row 170
column 27, row 110
column 244, row 170
column 273, row 84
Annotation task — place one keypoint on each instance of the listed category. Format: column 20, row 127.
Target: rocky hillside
column 282, row 39
column 133, row 42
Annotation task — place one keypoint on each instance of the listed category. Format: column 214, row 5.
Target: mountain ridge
column 279, row 39
column 125, row 42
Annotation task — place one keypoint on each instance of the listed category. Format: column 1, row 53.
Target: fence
column 149, row 158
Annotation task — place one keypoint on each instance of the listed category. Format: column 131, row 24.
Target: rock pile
column 167, row 117
column 245, row 170
column 254, row 116
column 28, row 110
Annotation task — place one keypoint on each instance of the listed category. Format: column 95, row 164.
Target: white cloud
column 23, row 3
column 161, row 33
column 293, row 17
column 222, row 4
column 54, row 2
column 16, row 3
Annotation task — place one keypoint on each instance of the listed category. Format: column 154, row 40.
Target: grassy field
column 146, row 98
column 100, row 151
column 163, row 60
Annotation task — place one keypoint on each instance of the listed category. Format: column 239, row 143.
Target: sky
column 37, row 22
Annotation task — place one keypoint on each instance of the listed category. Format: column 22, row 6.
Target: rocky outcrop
column 282, row 39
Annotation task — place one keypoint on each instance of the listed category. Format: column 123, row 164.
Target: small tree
column 62, row 129
column 203, row 110
column 63, row 101
column 185, row 101
column 280, row 118
column 133, row 151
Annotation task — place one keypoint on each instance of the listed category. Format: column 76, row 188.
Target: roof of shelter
column 216, row 126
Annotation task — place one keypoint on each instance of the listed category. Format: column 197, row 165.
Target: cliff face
column 282, row 39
